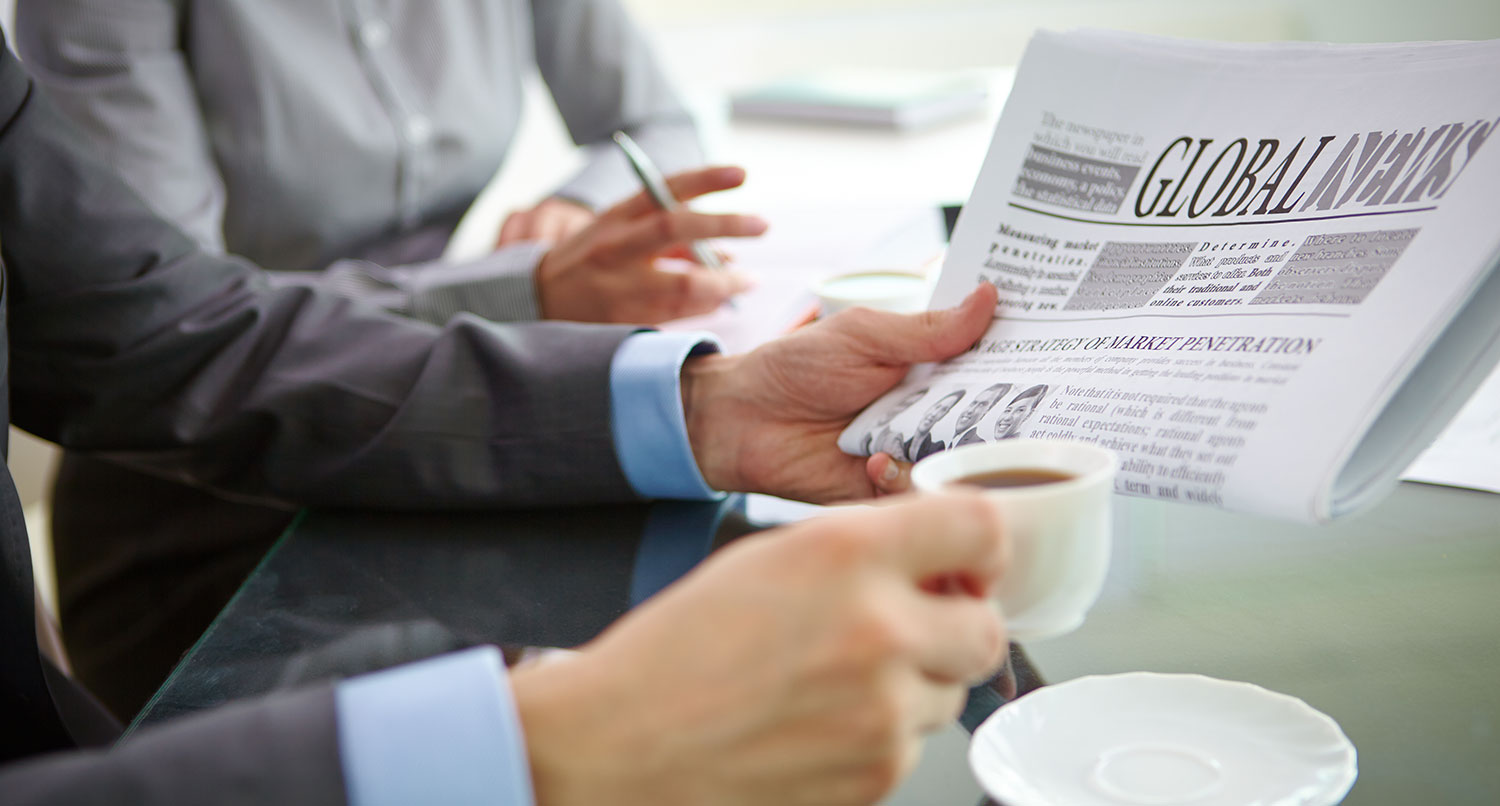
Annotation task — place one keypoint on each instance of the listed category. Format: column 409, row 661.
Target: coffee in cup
column 1014, row 477
column 1055, row 503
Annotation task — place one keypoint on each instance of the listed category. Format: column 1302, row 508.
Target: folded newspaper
column 1265, row 275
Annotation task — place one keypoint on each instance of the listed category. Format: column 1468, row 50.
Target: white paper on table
column 805, row 245
column 1467, row 453
column 769, row 510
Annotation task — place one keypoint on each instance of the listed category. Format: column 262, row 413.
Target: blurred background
column 722, row 40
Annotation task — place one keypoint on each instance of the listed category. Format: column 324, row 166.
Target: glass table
column 1388, row 621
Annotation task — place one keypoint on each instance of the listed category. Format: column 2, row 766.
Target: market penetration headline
column 1268, row 345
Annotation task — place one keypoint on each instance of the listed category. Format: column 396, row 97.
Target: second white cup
column 895, row 291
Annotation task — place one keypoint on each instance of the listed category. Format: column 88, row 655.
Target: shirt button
column 375, row 33
column 418, row 129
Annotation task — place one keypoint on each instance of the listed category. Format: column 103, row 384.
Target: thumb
column 887, row 475
column 917, row 338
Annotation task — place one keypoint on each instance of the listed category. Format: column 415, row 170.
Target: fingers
column 651, row 235
column 916, row 338
column 516, row 227
column 703, row 290
column 684, row 186
column 962, row 638
column 549, row 222
column 930, row 535
column 552, row 230
column 673, row 295
column 685, row 252
column 887, row 475
column 938, row 704
column 678, row 252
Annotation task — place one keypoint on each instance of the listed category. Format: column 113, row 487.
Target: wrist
column 585, row 742
column 706, row 407
column 553, row 703
column 552, row 301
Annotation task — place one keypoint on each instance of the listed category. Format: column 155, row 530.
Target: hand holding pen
column 608, row 272
column 656, row 186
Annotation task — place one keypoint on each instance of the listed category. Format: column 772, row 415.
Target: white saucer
column 1145, row 739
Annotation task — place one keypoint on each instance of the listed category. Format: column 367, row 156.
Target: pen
column 656, row 187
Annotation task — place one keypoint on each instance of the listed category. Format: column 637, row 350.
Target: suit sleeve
column 603, row 75
column 442, row 730
column 127, row 341
column 280, row 750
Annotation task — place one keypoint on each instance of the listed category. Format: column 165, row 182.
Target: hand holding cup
column 1054, row 499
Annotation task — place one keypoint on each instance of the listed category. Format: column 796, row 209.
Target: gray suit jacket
column 279, row 130
column 123, row 339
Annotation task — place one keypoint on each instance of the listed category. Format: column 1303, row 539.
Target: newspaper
column 1264, row 275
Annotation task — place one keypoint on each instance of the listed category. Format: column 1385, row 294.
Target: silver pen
column 656, row 187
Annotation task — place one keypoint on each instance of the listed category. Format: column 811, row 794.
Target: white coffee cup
column 896, row 291
column 1059, row 531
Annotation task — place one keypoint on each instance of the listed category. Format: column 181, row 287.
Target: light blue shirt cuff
column 444, row 730
column 650, row 431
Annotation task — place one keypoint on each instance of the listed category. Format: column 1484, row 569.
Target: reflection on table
column 1385, row 621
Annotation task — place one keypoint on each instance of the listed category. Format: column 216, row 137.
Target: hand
column 612, row 270
column 799, row 666
column 550, row 221
column 769, row 421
